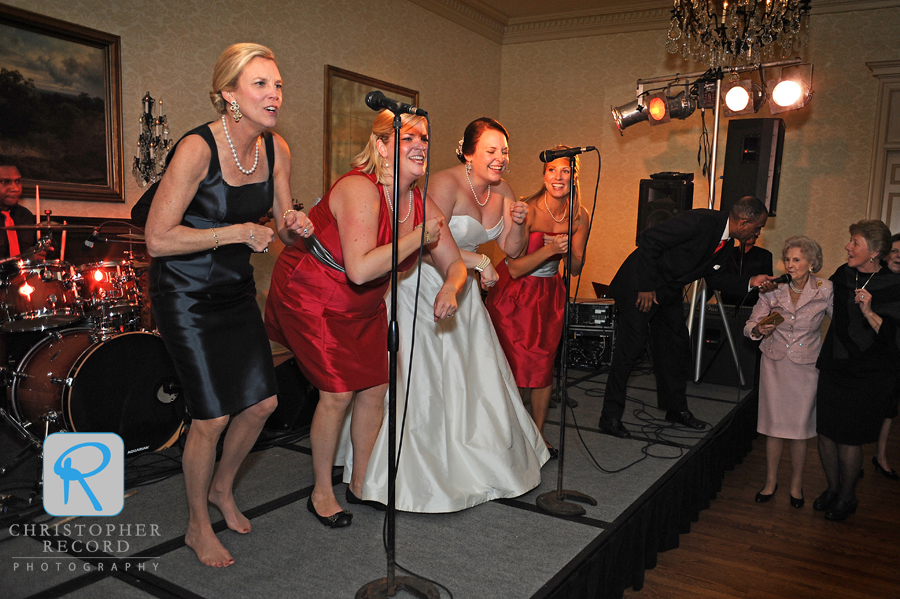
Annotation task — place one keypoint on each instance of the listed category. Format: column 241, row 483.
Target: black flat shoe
column 839, row 510
column 351, row 498
column 554, row 452
column 824, row 501
column 614, row 427
column 891, row 474
column 685, row 418
column 338, row 520
column 797, row 503
column 760, row 498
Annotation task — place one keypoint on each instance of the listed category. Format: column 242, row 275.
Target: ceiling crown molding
column 628, row 16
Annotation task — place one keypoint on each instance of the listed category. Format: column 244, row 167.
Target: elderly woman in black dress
column 201, row 230
column 857, row 364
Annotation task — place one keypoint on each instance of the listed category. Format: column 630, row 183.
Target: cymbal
column 131, row 236
column 45, row 227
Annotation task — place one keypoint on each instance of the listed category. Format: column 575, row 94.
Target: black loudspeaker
column 663, row 196
column 753, row 161
column 717, row 366
column 297, row 399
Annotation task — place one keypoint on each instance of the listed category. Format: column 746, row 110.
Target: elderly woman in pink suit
column 788, row 373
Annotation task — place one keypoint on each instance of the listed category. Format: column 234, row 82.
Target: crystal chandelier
column 725, row 34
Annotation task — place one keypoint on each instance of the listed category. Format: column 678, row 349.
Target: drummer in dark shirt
column 14, row 214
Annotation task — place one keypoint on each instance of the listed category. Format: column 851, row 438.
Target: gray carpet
column 503, row 549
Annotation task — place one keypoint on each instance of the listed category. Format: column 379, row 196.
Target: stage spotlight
column 742, row 97
column 628, row 114
column 791, row 92
column 656, row 108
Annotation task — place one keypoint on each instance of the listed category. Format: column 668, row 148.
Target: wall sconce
column 793, row 91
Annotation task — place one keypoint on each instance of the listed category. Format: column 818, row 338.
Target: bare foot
column 235, row 520
column 208, row 548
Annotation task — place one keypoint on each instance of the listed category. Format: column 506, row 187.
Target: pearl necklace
column 794, row 289
column 565, row 212
column 391, row 205
column 472, row 187
column 234, row 153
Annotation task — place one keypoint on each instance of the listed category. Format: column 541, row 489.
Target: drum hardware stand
column 391, row 584
column 554, row 502
column 25, row 434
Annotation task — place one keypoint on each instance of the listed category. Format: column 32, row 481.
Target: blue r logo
column 63, row 468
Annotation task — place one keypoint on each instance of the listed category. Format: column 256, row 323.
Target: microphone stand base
column 412, row 585
column 554, row 502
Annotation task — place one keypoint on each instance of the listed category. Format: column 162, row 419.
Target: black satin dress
column 205, row 303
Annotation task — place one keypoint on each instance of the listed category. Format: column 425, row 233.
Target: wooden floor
column 743, row 549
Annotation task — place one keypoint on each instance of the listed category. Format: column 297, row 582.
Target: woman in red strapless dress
column 527, row 304
column 330, row 310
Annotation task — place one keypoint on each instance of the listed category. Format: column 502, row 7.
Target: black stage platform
column 648, row 492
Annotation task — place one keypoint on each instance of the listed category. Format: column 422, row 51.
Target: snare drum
column 37, row 296
column 109, row 296
column 77, row 382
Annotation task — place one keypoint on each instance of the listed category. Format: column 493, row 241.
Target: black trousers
column 670, row 346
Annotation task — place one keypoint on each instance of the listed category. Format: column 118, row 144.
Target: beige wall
column 169, row 48
column 560, row 92
column 545, row 93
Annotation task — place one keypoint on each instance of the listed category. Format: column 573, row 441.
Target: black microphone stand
column 555, row 502
column 391, row 584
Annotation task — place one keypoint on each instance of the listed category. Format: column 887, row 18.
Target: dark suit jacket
column 677, row 252
column 757, row 261
column 20, row 216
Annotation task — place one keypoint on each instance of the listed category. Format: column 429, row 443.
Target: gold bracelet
column 216, row 237
column 284, row 216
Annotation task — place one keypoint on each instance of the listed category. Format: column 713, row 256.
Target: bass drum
column 126, row 384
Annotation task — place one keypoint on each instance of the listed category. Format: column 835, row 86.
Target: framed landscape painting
column 348, row 121
column 60, row 99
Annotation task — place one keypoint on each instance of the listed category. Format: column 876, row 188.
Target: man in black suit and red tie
column 13, row 243
column 648, row 290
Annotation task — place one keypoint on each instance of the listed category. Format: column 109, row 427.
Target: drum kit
column 79, row 353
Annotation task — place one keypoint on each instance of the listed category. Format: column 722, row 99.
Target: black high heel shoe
column 338, row 520
column 824, row 501
column 839, row 510
column 891, row 474
column 760, row 498
column 798, row 503
column 351, row 498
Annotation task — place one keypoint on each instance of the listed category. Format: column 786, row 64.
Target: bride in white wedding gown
column 468, row 438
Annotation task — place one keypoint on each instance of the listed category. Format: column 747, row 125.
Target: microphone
column 377, row 101
column 785, row 278
column 89, row 242
column 551, row 155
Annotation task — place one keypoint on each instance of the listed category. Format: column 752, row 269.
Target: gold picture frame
column 348, row 121
column 62, row 90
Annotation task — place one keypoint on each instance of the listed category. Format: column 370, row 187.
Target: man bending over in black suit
column 648, row 292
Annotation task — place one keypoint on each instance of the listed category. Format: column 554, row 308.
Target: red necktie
column 719, row 247
column 11, row 234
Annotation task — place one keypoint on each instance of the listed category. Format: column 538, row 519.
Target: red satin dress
column 527, row 314
column 336, row 329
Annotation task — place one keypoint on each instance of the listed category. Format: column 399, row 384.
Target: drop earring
column 468, row 167
column 235, row 111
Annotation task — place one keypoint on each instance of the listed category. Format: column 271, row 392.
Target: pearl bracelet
column 483, row 264
column 286, row 212
column 216, row 237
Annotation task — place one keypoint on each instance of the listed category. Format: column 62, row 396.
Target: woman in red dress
column 328, row 306
column 526, row 305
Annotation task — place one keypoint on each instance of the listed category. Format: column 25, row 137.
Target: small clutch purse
column 773, row 318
